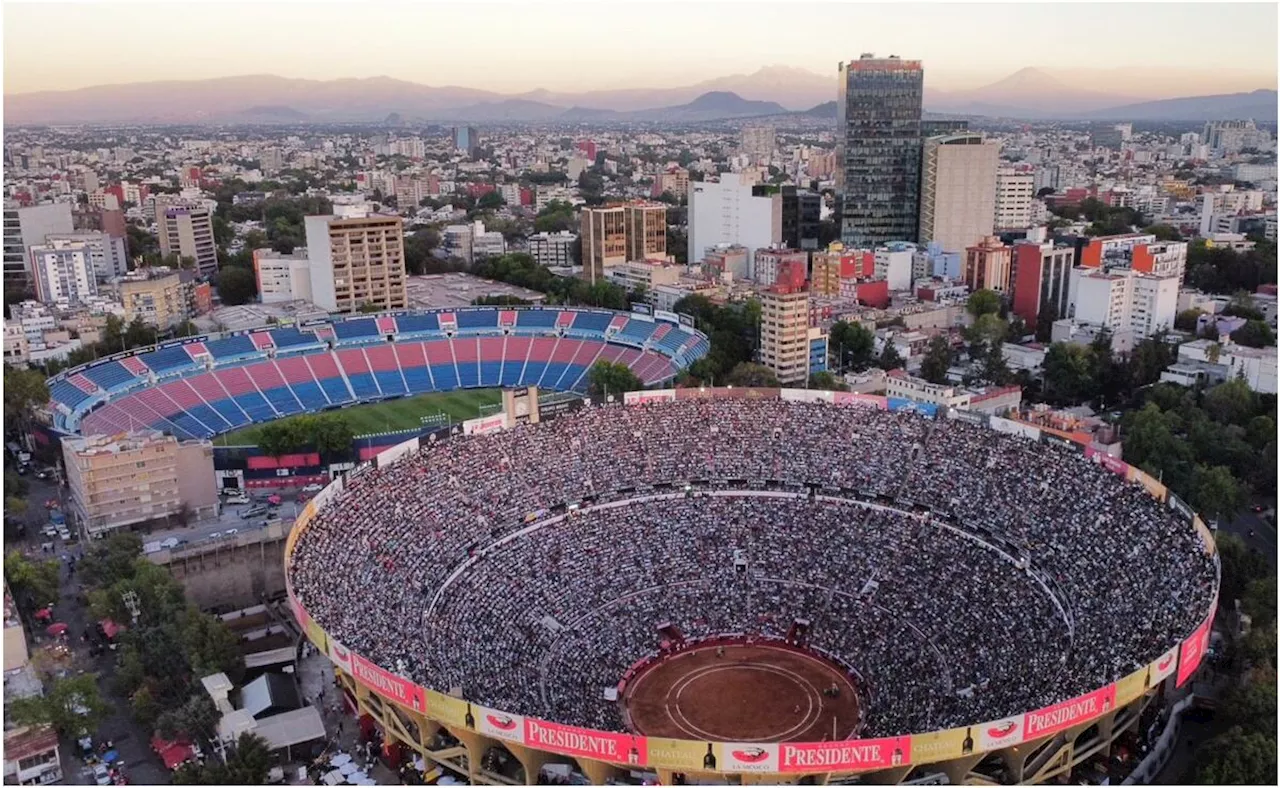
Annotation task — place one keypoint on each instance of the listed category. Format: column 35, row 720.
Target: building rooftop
column 114, row 444
column 246, row 316
column 456, row 289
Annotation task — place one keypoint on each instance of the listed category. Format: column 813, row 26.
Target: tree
column 333, row 436
column 854, row 344
column 369, row 308
column 1241, row 566
column 247, row 764
column 608, row 378
column 826, row 381
column 1254, row 333
column 937, row 360
column 1186, row 319
column 1044, row 323
column 144, row 706
column 890, row 358
column 1236, row 757
column 34, row 583
column 995, row 370
column 197, row 717
column 751, row 375
column 987, row 329
column 983, row 302
column 1232, row 402
column 1069, row 374
column 490, row 201
column 236, row 286
column 24, row 390
column 69, row 704
column 1216, row 493
column 1163, row 232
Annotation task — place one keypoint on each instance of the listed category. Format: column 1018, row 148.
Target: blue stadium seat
column 552, row 374
column 417, row 324
column 291, row 337
column 445, row 375
column 482, row 318
column 537, row 318
column 310, row 394
column 231, row 348
column 256, row 406
column 336, row 389
column 283, row 400
column 511, row 372
column 418, row 379
column 532, row 372
column 167, row 358
column 390, row 382
column 672, row 341
column 109, row 375
column 490, row 373
column 67, row 393
column 209, row 417
column 637, row 330
column 359, row 329
column 363, row 385
column 592, row 321
column 468, row 374
column 231, row 412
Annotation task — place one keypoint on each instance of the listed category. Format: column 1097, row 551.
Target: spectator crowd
column 532, row 567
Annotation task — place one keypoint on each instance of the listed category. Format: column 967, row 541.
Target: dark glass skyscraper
column 879, row 145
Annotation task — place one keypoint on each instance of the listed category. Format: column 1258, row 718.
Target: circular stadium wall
column 1036, row 746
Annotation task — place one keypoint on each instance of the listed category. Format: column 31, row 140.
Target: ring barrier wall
column 850, row 756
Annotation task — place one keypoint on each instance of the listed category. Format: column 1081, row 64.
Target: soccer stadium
column 204, row 386
column 750, row 585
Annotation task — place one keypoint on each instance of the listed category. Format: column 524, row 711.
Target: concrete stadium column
column 531, row 760
column 769, row 779
column 1015, row 760
column 891, row 776
column 959, row 768
column 476, row 746
column 666, row 776
column 597, row 772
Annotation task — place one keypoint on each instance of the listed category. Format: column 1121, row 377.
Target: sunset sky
column 602, row 44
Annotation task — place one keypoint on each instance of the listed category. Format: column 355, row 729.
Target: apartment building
column 119, row 481
column 356, row 260
column 758, row 143
column 604, row 240
column 647, row 274
column 26, row 227
column 646, row 228
column 1040, row 279
column 553, row 250
column 987, row 265
column 63, row 272
column 108, row 252
column 157, row 296
column 282, row 277
column 788, row 267
column 726, row 213
column 1123, row 300
column 186, row 229
column 784, row 333
column 1015, row 190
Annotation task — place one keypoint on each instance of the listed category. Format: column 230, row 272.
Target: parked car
column 171, row 542
column 64, row 534
column 313, row 488
column 232, row 531
column 241, row 498
column 50, row 530
column 215, row 535
column 252, row 511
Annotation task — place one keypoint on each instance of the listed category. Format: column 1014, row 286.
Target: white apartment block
column 1014, row 193
column 552, row 249
column 958, row 190
column 895, row 266
column 63, row 272
column 282, row 277
column 726, row 213
column 1123, row 300
column 109, row 254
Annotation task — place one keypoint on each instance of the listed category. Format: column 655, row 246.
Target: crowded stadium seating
column 200, row 387
column 965, row 574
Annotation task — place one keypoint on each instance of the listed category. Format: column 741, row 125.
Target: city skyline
column 668, row 45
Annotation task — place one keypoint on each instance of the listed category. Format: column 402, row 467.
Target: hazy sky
column 605, row 44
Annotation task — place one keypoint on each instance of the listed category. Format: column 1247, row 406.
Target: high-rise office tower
column 878, row 147
column 186, row 229
column 604, row 240
column 958, row 190
column 646, row 224
column 758, row 142
column 27, row 227
column 466, row 139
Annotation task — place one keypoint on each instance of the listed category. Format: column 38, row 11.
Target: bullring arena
column 754, row 585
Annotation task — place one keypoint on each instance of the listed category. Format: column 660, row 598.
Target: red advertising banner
column 388, row 684
column 861, row 400
column 583, row 742
column 1193, row 649
column 844, row 756
column 1061, row 716
column 1113, row 464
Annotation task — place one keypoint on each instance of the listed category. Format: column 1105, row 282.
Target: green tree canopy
column 1069, row 374
column 750, row 375
column 1254, row 333
column 607, row 378
column 890, row 358
column 937, row 360
column 1236, row 757
column 983, row 302
column 236, row 286
column 24, row 390
column 827, row 381
column 70, row 705
column 854, row 346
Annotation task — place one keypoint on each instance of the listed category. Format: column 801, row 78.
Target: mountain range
column 1030, row 94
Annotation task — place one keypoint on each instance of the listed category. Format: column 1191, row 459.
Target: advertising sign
column 1014, row 428
column 942, row 745
column 845, row 756
column 968, row 416
column 388, row 684
column 582, row 742
column 1061, row 716
column 861, row 400
column 1131, row 687
column 925, row 408
column 450, row 710
column 680, row 755
column 316, row 635
column 339, row 656
column 643, row 397
column 499, row 724
column 641, row 309
column 1000, row 733
column 747, row 757
column 1193, row 649
column 808, row 395
column 1163, row 668
column 687, row 320
column 1177, row 504
column 670, row 317
column 485, row 424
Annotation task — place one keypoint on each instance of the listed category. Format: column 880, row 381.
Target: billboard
column 621, row 748
column 1131, row 687
column 1163, row 667
column 642, row 397
column 638, row 308
column 845, row 756
column 942, row 745
column 861, row 400
column 680, row 755
column 340, row 656
column 485, row 424
column 742, row 757
column 687, row 321
column 969, row 416
column 1000, row 733
column 808, row 395
column 500, row 725
column 1060, row 716
column 670, row 317
column 925, row 408
column 388, row 684
column 450, row 710
column 1014, row 428
column 316, row 635
column 1192, row 651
